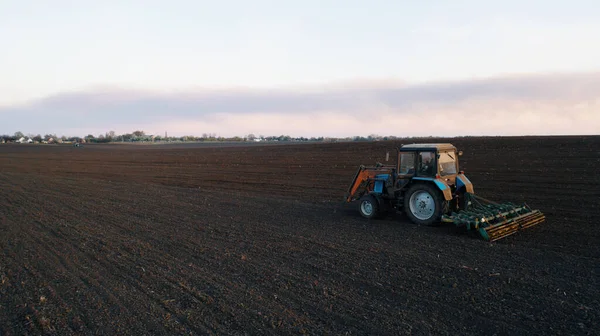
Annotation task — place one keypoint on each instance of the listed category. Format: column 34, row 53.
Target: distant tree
column 139, row 133
column 19, row 135
column 100, row 138
column 251, row 137
column 374, row 137
column 37, row 138
column 8, row 138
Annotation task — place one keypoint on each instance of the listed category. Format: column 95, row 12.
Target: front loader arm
column 361, row 182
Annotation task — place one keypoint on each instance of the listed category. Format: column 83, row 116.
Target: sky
column 302, row 68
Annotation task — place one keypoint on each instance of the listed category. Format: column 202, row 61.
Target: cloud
column 512, row 105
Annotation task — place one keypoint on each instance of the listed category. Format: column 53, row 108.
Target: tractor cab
column 428, row 161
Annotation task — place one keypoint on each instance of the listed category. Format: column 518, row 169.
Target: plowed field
column 138, row 240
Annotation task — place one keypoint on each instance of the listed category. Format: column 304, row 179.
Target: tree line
column 139, row 135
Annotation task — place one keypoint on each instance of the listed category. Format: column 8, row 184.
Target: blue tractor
column 427, row 185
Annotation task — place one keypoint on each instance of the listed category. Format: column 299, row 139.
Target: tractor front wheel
column 368, row 207
column 424, row 204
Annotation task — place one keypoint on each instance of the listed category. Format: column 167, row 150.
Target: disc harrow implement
column 494, row 220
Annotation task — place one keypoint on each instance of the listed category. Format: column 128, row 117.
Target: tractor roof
column 429, row 146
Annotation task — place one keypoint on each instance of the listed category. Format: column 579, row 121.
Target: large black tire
column 368, row 207
column 424, row 204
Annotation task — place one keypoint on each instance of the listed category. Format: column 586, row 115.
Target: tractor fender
column 442, row 186
column 463, row 182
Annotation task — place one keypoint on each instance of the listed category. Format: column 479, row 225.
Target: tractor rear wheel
column 424, row 204
column 368, row 206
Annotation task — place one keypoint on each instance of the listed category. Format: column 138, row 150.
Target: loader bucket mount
column 494, row 220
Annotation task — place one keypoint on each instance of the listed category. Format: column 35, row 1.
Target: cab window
column 447, row 163
column 407, row 164
column 426, row 163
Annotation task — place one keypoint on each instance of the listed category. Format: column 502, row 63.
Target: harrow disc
column 493, row 220
column 510, row 226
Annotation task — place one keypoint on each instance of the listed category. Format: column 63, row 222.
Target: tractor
column 427, row 185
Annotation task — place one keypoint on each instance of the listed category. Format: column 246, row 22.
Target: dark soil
column 132, row 240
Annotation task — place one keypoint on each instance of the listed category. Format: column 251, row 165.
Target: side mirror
column 460, row 153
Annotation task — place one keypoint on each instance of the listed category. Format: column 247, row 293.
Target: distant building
column 23, row 140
